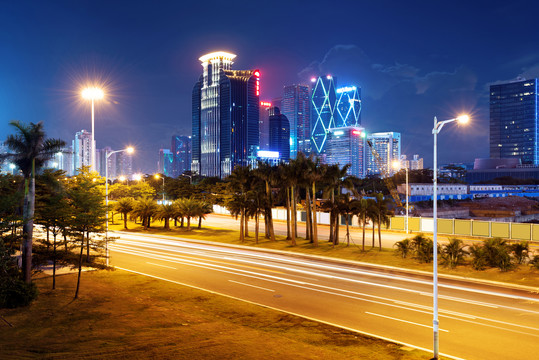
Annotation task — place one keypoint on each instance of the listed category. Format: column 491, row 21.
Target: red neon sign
column 356, row 132
column 265, row 103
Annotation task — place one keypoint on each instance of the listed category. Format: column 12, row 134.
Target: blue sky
column 413, row 60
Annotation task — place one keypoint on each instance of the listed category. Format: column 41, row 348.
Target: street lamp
column 190, row 177
column 137, row 177
column 93, row 93
column 157, row 176
column 463, row 119
column 396, row 166
column 129, row 150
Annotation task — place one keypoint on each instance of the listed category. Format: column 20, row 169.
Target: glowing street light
column 137, row 177
column 462, row 119
column 397, row 166
column 128, row 150
column 157, row 176
column 92, row 94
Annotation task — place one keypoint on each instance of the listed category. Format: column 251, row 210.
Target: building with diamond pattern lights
column 323, row 102
column 348, row 109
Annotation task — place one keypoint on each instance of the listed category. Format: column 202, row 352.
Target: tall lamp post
column 463, row 119
column 397, row 165
column 129, row 150
column 157, row 176
column 92, row 94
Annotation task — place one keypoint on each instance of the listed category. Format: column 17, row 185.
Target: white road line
column 258, row 287
column 170, row 267
column 401, row 320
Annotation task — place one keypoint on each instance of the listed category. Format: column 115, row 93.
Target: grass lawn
column 120, row 315
column 521, row 275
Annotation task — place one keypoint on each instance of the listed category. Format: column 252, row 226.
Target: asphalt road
column 476, row 321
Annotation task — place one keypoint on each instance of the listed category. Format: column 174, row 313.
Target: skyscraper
column 225, row 116
column 165, row 163
column 82, row 149
column 295, row 105
column 388, row 146
column 323, row 101
column 263, row 124
column 513, row 121
column 180, row 149
column 348, row 109
column 279, row 134
column 346, row 145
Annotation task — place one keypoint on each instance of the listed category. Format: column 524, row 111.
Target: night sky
column 412, row 59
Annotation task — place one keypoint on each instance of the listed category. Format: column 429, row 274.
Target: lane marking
column 293, row 313
column 258, row 287
column 404, row 321
column 170, row 267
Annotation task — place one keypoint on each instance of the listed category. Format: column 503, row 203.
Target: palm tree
column 205, row 208
column 361, row 210
column 335, row 179
column 125, row 206
column 347, row 206
column 267, row 174
column 372, row 216
column 315, row 173
column 145, row 208
column 453, row 252
column 381, row 215
column 239, row 183
column 166, row 212
column 29, row 151
column 236, row 205
column 189, row 209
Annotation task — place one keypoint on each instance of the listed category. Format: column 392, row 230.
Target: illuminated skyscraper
column 346, row 145
column 82, row 150
column 295, row 105
column 388, row 146
column 514, row 121
column 323, row 101
column 180, row 149
column 263, row 124
column 348, row 109
column 165, row 162
column 279, row 134
column 225, row 116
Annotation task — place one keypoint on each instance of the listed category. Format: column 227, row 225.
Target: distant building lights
column 328, row 77
column 268, row 154
column 357, row 132
column 265, row 103
column 346, row 89
column 363, row 134
column 257, row 73
column 313, row 79
column 338, row 132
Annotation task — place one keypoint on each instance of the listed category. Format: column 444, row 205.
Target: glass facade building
column 263, row 124
column 348, row 109
column 513, row 121
column 295, row 105
column 388, row 146
column 279, row 134
column 346, row 145
column 323, row 102
column 225, row 116
column 180, row 148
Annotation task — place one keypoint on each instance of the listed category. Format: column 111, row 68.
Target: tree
column 166, row 212
column 403, row 247
column 189, row 209
column 119, row 191
column 205, row 208
column 453, row 252
column 520, row 251
column 266, row 173
column 381, row 214
column 145, row 208
column 361, row 210
column 125, row 206
column 237, row 207
column 142, row 190
column 29, row 151
column 239, row 183
column 88, row 205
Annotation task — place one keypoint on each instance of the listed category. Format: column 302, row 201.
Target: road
column 476, row 322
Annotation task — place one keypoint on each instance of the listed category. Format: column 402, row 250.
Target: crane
column 385, row 175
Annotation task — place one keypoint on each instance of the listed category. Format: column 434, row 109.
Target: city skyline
column 412, row 62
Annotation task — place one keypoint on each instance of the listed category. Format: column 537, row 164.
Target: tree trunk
column 332, row 220
column 54, row 261
column 347, row 229
column 288, row 235
column 269, row 215
column 241, row 225
column 373, row 233
column 65, row 241
column 181, row 225
column 294, row 221
column 80, row 265
column 246, row 230
column 200, row 222
column 380, row 232
column 295, row 210
column 125, row 221
column 257, row 224
column 188, row 223
column 87, row 246
column 363, row 225
column 167, row 226
column 48, row 239
column 315, row 225
column 337, row 227
column 28, row 227
column 308, row 223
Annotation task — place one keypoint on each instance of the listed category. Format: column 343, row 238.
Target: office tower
column 348, row 109
column 165, row 163
column 323, row 101
column 295, row 105
column 263, row 125
column 82, row 148
column 180, row 149
column 124, row 164
column 279, row 134
column 513, row 121
column 388, row 146
column 225, row 116
column 346, row 145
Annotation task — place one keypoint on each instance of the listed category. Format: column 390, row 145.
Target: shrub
column 479, row 258
column 497, row 253
column 403, row 247
column 453, row 252
column 520, row 251
column 535, row 262
column 14, row 291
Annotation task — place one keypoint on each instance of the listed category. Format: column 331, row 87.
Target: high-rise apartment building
column 388, row 146
column 295, row 105
column 279, row 134
column 263, row 124
column 416, row 163
column 348, row 109
column 180, row 149
column 323, row 101
column 82, row 149
column 225, row 116
column 513, row 121
column 346, row 145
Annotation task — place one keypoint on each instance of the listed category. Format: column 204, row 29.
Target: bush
column 479, row 258
column 535, row 262
column 423, row 248
column 493, row 252
column 453, row 252
column 403, row 247
column 520, row 251
column 15, row 292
